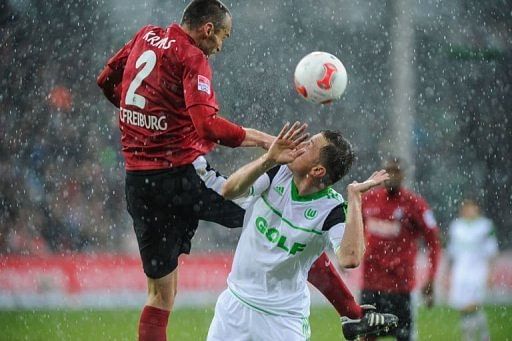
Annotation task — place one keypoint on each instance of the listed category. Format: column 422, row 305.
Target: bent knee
column 162, row 291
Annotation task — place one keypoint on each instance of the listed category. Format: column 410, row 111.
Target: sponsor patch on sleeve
column 203, row 84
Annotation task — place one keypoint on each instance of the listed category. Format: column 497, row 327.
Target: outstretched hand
column 374, row 180
column 284, row 148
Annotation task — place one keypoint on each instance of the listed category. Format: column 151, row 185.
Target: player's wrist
column 268, row 161
column 354, row 191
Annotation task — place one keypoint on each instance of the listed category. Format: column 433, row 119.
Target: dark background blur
column 62, row 177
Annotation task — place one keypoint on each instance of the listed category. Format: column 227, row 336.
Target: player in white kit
column 472, row 246
column 293, row 217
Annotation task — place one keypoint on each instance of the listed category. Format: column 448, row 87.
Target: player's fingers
column 290, row 131
column 299, row 131
column 298, row 153
column 299, row 141
column 283, row 130
column 303, row 144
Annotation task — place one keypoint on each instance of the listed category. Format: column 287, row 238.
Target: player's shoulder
column 488, row 223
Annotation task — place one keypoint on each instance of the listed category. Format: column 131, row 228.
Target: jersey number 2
column 148, row 58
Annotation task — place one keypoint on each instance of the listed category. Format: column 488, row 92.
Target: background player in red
column 395, row 218
column 162, row 83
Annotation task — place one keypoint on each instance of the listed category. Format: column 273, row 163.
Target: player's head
column 327, row 158
column 208, row 22
column 394, row 167
column 469, row 209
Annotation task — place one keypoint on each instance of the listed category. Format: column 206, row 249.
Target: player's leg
column 375, row 321
column 467, row 292
column 324, row 276
column 155, row 202
column 215, row 208
column 473, row 323
column 400, row 304
column 356, row 320
column 162, row 291
column 155, row 314
column 230, row 321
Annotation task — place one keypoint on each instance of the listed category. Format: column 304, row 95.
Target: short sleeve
column 197, row 82
column 336, row 216
column 335, row 234
column 258, row 187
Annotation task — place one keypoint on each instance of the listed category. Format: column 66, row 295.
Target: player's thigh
column 161, row 291
column 162, row 228
column 267, row 327
column 230, row 321
column 215, row 208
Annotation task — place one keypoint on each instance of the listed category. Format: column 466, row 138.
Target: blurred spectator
column 472, row 247
column 56, row 164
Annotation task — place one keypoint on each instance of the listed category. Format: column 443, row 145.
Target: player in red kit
column 395, row 218
column 161, row 81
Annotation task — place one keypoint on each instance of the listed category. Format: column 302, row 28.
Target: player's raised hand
column 284, row 148
column 375, row 179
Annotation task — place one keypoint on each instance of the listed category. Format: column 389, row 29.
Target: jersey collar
column 176, row 27
column 308, row 197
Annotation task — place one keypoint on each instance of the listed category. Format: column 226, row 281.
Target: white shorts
column 235, row 321
column 468, row 286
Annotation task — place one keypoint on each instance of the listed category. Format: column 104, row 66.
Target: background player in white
column 293, row 217
column 472, row 246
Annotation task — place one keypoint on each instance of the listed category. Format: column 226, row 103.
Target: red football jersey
column 165, row 73
column 393, row 225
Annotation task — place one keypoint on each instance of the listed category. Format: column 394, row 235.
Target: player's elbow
column 100, row 81
column 102, row 78
column 227, row 191
column 350, row 259
column 205, row 132
column 349, row 262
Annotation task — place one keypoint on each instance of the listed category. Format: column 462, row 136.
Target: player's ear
column 319, row 171
column 209, row 29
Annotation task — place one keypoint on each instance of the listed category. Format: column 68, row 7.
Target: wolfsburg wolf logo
column 310, row 213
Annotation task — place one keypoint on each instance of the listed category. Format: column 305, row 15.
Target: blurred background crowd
column 62, row 177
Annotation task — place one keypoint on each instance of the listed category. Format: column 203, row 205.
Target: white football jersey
column 471, row 241
column 283, row 235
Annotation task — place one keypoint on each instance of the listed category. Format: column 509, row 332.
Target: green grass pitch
column 192, row 324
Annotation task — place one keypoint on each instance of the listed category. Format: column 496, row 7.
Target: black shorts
column 166, row 206
column 393, row 303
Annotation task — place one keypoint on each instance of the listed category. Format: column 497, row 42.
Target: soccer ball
column 320, row 77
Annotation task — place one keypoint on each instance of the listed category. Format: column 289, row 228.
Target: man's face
column 396, row 176
column 214, row 37
column 311, row 157
column 470, row 211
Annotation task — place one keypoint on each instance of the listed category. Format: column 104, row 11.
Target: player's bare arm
column 283, row 150
column 351, row 250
